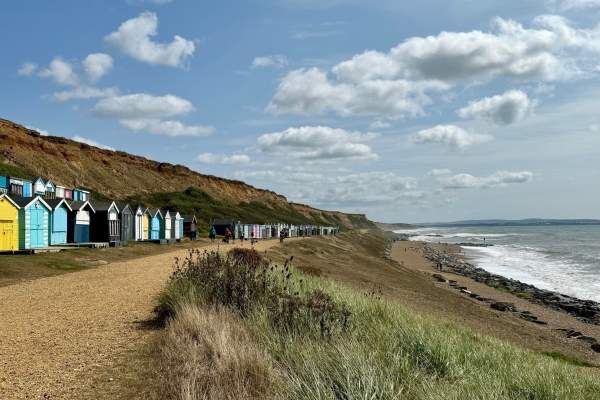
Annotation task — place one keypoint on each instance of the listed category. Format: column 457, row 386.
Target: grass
column 12, row 170
column 382, row 351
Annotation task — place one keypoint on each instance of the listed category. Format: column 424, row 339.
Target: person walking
column 212, row 234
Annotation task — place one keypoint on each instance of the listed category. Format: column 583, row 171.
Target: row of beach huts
column 37, row 215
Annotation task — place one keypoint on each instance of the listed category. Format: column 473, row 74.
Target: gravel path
column 55, row 332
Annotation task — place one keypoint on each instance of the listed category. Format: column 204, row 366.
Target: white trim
column 3, row 195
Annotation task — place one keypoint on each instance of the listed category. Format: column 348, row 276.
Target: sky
column 407, row 111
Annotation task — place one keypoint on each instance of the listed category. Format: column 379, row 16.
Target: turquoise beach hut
column 59, row 220
column 157, row 225
column 34, row 222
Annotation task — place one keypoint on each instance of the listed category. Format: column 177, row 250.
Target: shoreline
column 539, row 309
column 587, row 311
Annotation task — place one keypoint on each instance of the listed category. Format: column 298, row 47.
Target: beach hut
column 78, row 224
column 246, row 229
column 50, row 190
column 34, row 222
column 127, row 220
column 147, row 220
column 221, row 226
column 166, row 227
column 59, row 192
column 39, row 187
column 176, row 225
column 156, row 225
column 59, row 218
column 3, row 184
column 9, row 223
column 20, row 187
column 105, row 225
column 81, row 195
column 139, row 223
column 190, row 226
column 68, row 194
column 255, row 231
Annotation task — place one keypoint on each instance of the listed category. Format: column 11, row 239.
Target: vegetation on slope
column 206, row 208
column 369, row 348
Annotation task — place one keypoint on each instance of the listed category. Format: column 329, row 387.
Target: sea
column 562, row 258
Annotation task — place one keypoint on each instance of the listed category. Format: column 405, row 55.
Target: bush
column 244, row 282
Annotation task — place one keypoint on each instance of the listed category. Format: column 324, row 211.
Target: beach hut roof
column 189, row 218
column 55, row 203
column 105, row 205
column 25, row 202
column 121, row 205
column 7, row 197
column 78, row 205
column 155, row 212
column 166, row 212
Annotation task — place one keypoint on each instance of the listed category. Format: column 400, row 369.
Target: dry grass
column 208, row 354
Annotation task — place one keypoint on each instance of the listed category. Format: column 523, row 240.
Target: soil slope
column 118, row 175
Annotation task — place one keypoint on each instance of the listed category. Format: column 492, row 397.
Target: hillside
column 119, row 175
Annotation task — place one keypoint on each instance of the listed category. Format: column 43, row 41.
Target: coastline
column 460, row 276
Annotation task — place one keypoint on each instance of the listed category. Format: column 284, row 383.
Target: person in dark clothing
column 212, row 234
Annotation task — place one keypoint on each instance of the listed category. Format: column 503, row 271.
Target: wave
column 534, row 266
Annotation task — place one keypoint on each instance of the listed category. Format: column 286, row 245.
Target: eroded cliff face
column 119, row 174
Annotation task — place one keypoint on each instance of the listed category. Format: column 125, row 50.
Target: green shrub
column 244, row 282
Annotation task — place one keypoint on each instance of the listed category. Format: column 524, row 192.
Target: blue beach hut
column 78, row 224
column 3, row 184
column 59, row 220
column 34, row 222
column 156, row 225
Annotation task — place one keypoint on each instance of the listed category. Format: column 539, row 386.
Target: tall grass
column 380, row 351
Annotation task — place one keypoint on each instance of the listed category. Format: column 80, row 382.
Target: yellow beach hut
column 9, row 224
column 147, row 222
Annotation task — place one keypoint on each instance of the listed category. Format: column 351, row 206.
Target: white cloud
column 134, row 38
column 274, row 61
column 399, row 82
column 339, row 190
column 38, row 130
column 27, row 69
column 91, row 142
column 66, row 74
column 502, row 109
column 380, row 125
column 145, row 112
column 234, row 159
column 318, row 143
column 85, row 92
column 310, row 91
column 500, row 178
column 167, row 128
column 97, row 65
column 452, row 135
column 142, row 106
column 61, row 72
column 439, row 172
column 566, row 5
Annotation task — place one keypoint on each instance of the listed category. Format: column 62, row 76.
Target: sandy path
column 55, row 332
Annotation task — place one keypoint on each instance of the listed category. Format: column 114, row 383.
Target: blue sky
column 423, row 112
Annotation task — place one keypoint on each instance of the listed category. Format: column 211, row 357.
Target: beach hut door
column 36, row 222
column 6, row 235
